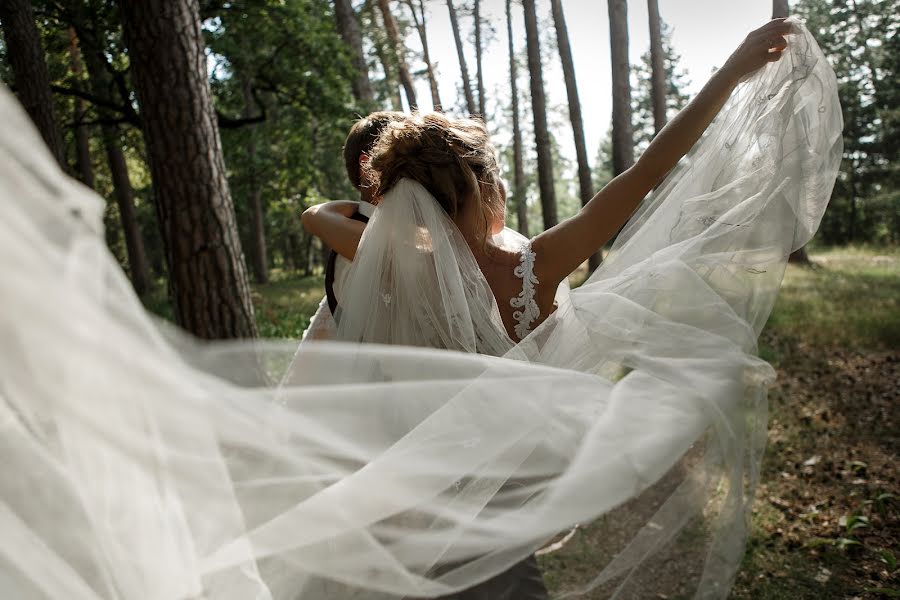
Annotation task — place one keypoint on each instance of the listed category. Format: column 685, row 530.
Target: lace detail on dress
column 525, row 300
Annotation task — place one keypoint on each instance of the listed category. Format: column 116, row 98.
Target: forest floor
column 826, row 520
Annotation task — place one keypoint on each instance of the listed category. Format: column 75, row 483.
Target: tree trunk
column 348, row 27
column 780, row 10
column 518, row 165
column 800, row 257
column 207, row 277
column 258, row 253
column 134, row 240
column 383, row 57
column 30, row 76
column 622, row 131
column 400, row 51
column 585, row 185
column 102, row 87
column 82, row 135
column 467, row 87
column 479, row 74
column 539, row 107
column 658, row 68
column 423, row 37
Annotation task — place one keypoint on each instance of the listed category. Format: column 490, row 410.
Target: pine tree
column 209, row 287
column 675, row 80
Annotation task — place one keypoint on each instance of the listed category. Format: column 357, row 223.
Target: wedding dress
column 141, row 464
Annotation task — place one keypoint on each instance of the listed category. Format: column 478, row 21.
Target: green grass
column 849, row 298
column 285, row 305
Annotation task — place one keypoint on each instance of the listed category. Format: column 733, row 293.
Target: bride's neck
column 487, row 252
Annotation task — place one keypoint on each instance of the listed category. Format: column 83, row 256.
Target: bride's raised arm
column 332, row 223
column 562, row 248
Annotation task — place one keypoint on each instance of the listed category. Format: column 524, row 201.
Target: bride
column 142, row 464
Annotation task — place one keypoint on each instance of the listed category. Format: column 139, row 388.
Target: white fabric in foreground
column 139, row 464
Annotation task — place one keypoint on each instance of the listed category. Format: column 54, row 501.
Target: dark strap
column 329, row 269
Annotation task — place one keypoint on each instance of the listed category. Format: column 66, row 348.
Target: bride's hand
column 761, row 46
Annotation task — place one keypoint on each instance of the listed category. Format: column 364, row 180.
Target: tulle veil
column 139, row 463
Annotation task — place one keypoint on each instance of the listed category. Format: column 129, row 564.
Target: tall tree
column 399, row 49
column 348, row 27
column 92, row 36
column 479, row 74
column 622, row 133
column 390, row 85
column 779, row 9
column 464, row 70
column 585, row 185
column 259, row 258
column 207, row 277
column 657, row 71
column 31, row 79
column 539, row 108
column 518, row 164
column 82, row 135
column 644, row 112
column 419, row 21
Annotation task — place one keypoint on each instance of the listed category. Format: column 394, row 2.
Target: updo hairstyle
column 453, row 159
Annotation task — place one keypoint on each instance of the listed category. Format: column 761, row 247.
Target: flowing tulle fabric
column 139, row 463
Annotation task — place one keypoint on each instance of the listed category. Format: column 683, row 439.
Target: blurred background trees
column 286, row 79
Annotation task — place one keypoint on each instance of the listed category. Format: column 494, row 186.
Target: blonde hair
column 453, row 159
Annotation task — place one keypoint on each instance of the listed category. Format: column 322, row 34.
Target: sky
column 704, row 33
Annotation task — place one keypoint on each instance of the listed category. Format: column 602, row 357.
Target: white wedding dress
column 141, row 464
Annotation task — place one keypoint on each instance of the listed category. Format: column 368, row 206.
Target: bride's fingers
column 776, row 43
column 776, row 28
column 775, row 53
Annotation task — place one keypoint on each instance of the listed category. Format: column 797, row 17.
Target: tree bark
column 479, row 74
column 585, row 185
column 539, row 108
column 423, row 37
column 658, row 68
column 780, row 10
column 348, row 27
column 82, row 135
column 390, row 26
column 30, row 75
column 518, row 164
column 134, row 240
column 102, row 86
column 622, row 129
column 383, row 57
column 259, row 255
column 207, row 277
column 467, row 87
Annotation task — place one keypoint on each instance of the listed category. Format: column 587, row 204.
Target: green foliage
column 284, row 62
column 860, row 40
